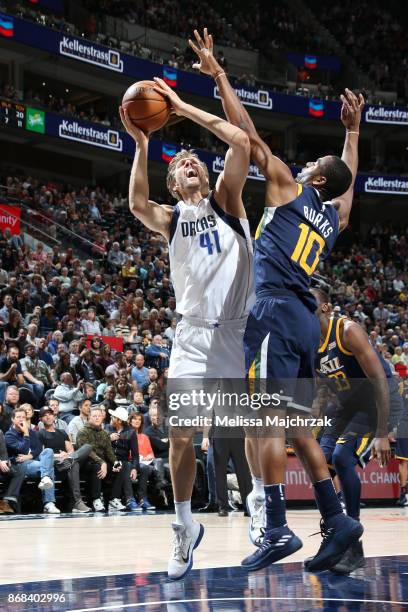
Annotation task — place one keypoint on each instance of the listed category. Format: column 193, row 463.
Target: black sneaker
column 336, row 540
column 276, row 545
column 401, row 500
column 352, row 559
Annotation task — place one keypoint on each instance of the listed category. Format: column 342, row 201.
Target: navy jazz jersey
column 290, row 241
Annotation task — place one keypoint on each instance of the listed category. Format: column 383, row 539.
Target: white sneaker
column 184, row 543
column 406, row 500
column 116, row 504
column 51, row 508
column 98, row 505
column 45, row 483
column 256, row 510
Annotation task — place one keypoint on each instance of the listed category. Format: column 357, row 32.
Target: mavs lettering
column 192, row 228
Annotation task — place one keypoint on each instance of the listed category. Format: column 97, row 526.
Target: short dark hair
column 321, row 296
column 338, row 177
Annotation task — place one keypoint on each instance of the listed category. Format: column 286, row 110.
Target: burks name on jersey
column 192, row 228
column 320, row 221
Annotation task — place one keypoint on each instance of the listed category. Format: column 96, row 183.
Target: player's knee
column 180, row 443
column 341, row 457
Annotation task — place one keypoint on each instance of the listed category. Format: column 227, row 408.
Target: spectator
column 124, row 443
column 88, row 369
column 28, row 409
column 53, row 403
column 67, row 461
column 79, row 421
column 10, row 371
column 157, row 355
column 102, row 462
column 48, row 320
column 91, row 325
column 140, row 373
column 15, row 475
column 68, row 396
column 157, row 432
column 36, row 373
column 24, row 447
column 138, row 403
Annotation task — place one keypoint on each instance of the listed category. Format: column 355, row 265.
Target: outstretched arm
column 281, row 185
column 356, row 340
column 151, row 214
column 228, row 192
column 350, row 116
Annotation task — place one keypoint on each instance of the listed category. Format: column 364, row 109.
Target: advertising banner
column 10, row 218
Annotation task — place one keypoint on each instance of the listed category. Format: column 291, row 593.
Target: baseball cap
column 46, row 410
column 120, row 413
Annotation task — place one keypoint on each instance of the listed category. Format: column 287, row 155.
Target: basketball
column 147, row 108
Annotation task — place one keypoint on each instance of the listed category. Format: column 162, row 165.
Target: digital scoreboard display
column 12, row 114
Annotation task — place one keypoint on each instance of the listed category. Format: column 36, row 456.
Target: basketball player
column 210, row 254
column 401, row 451
column 365, row 388
column 299, row 228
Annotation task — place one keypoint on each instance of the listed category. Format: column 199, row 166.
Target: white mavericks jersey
column 210, row 261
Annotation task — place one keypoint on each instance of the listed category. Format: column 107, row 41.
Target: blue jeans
column 40, row 467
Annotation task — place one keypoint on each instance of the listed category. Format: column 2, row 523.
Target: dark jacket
column 126, row 448
column 102, row 451
column 19, row 444
column 3, row 448
column 156, row 436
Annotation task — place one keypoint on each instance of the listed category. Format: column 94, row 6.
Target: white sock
column 183, row 513
column 258, row 486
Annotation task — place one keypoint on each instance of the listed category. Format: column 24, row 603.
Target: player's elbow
column 242, row 141
column 137, row 206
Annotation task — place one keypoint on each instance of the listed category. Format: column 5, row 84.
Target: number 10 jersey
column 211, row 262
column 290, row 242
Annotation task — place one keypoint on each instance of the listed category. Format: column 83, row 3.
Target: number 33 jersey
column 210, row 261
column 290, row 242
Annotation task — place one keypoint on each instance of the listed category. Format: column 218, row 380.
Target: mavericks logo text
column 87, row 52
column 379, row 184
column 259, row 98
column 379, row 114
column 108, row 139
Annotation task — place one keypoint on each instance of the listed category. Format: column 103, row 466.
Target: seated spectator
column 96, row 347
column 157, row 431
column 91, row 325
column 105, row 358
column 79, row 421
column 43, row 354
column 67, row 461
column 53, row 403
column 12, row 401
column 36, row 373
column 124, row 392
column 24, row 447
column 138, row 403
column 151, row 469
column 124, row 443
column 88, row 369
column 140, row 373
column 109, row 398
column 11, row 329
column 48, row 320
column 64, row 365
column 68, row 396
column 14, row 475
column 29, row 410
column 10, row 371
column 102, row 462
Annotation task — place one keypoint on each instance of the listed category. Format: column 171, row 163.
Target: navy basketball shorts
column 280, row 342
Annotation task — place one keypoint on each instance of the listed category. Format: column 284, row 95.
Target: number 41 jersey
column 210, row 261
column 290, row 241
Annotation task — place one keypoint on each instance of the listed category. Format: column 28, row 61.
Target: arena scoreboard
column 12, row 114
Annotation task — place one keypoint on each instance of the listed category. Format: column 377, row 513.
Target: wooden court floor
column 37, row 549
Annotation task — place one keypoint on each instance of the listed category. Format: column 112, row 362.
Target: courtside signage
column 259, row 98
column 254, row 173
column 90, row 134
column 381, row 114
column 379, row 184
column 86, row 51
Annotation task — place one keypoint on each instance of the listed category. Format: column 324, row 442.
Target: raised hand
column 176, row 102
column 204, row 49
column 137, row 134
column 351, row 110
